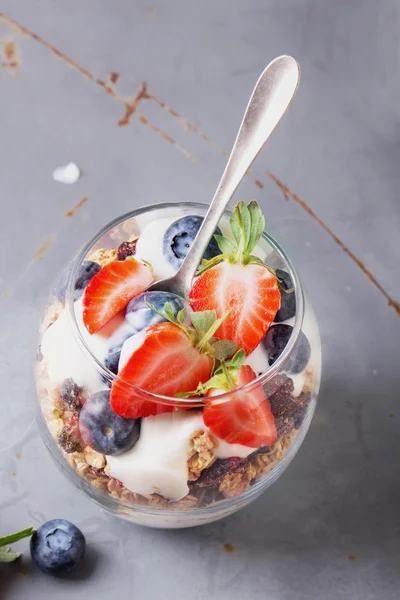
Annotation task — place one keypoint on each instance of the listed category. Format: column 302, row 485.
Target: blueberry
column 140, row 316
column 288, row 299
column 179, row 237
column 57, row 547
column 275, row 342
column 86, row 272
column 105, row 431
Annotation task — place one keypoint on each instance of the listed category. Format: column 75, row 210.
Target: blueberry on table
column 180, row 236
column 288, row 299
column 140, row 316
column 105, row 431
column 275, row 342
column 57, row 547
column 86, row 272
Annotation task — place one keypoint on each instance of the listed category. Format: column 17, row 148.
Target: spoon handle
column 269, row 101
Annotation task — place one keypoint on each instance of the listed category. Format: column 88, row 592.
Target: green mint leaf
column 6, row 555
column 15, row 537
column 226, row 246
column 257, row 225
column 223, row 349
column 203, row 320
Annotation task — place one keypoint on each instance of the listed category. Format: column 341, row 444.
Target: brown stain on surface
column 18, row 455
column 229, row 548
column 353, row 557
column 114, row 77
column 40, row 251
column 10, row 53
column 288, row 194
column 132, row 106
column 72, row 211
column 166, row 137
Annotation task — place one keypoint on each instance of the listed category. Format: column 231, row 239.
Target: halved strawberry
column 173, row 358
column 239, row 282
column 110, row 290
column 245, row 417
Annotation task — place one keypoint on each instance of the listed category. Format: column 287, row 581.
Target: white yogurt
column 225, row 450
column 64, row 357
column 157, row 464
column 150, row 247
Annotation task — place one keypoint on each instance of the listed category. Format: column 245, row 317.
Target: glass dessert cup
column 178, row 474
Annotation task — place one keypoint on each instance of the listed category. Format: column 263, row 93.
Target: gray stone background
column 329, row 183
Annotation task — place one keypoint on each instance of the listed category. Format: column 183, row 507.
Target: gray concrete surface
column 329, row 528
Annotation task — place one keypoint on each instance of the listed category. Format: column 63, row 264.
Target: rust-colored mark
column 10, row 53
column 353, row 557
column 187, row 124
column 18, row 455
column 24, row 31
column 46, row 244
column 72, row 211
column 165, row 136
column 114, row 76
column 259, row 184
column 132, row 105
column 229, row 548
column 152, row 12
column 287, row 194
column 23, row 571
column 14, row 473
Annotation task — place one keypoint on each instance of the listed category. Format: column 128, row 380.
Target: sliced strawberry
column 249, row 292
column 110, row 290
column 245, row 418
column 166, row 363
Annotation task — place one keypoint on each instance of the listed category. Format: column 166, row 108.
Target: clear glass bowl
column 217, row 486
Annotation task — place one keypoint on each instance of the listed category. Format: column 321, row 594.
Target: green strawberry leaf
column 237, row 360
column 15, row 537
column 223, row 349
column 226, row 246
column 6, row 555
column 203, row 320
column 208, row 264
column 257, row 225
column 254, row 260
column 180, row 317
column 235, row 228
column 243, row 218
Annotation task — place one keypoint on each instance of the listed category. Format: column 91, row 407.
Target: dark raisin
column 302, row 403
column 71, row 394
column 126, row 249
column 215, row 474
column 70, row 439
column 280, row 382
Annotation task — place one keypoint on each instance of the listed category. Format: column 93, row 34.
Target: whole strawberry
column 239, row 282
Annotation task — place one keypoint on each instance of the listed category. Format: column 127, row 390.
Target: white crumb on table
column 68, row 173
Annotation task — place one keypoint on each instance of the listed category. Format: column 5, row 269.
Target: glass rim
column 169, row 400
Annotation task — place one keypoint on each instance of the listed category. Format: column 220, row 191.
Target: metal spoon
column 269, row 101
